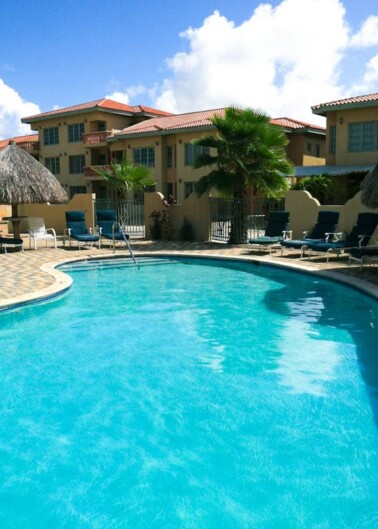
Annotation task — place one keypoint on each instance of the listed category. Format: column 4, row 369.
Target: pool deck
column 31, row 275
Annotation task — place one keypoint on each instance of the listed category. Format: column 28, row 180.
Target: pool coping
column 63, row 281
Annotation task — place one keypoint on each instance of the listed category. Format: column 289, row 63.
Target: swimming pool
column 190, row 393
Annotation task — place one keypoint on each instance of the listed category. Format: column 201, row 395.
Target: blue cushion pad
column 264, row 240
column 324, row 246
column 10, row 240
column 85, row 237
column 298, row 243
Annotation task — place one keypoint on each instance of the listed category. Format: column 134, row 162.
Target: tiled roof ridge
column 105, row 103
column 82, row 106
column 299, row 122
column 348, row 100
column 144, row 108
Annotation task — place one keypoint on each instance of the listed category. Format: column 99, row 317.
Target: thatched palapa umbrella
column 24, row 180
column 369, row 188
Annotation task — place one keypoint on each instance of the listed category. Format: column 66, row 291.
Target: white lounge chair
column 38, row 232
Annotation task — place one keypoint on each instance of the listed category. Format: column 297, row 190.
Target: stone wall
column 304, row 212
column 196, row 210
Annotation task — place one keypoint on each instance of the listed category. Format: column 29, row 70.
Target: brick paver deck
column 22, row 278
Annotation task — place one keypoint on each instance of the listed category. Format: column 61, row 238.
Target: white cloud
column 369, row 81
column 129, row 93
column 368, row 34
column 282, row 60
column 12, row 109
column 121, row 97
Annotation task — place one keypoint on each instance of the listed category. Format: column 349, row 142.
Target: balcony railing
column 90, row 170
column 96, row 138
column 29, row 146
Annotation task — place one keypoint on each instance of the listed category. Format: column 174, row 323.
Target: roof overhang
column 322, row 110
column 161, row 132
column 302, row 171
column 58, row 115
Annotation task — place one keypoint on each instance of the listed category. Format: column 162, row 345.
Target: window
column 144, row 156
column 77, row 190
column 117, row 156
column 317, row 150
column 75, row 132
column 76, row 164
column 171, row 156
column 53, row 165
column 332, row 139
column 309, row 147
column 363, row 136
column 51, row 136
column 192, row 151
column 369, row 136
column 189, row 188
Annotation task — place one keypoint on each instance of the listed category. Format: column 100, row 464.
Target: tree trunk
column 239, row 214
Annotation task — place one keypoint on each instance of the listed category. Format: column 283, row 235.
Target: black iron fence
column 130, row 213
column 257, row 215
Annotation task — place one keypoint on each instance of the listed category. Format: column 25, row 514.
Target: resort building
column 351, row 142
column 165, row 145
column 74, row 139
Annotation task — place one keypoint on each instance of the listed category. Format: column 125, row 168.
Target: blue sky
column 281, row 56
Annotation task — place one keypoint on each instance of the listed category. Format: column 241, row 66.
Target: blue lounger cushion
column 11, row 240
column 277, row 224
column 106, row 219
column 77, row 227
column 358, row 237
column 326, row 223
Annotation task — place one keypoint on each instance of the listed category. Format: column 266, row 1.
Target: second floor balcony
column 90, row 171
column 96, row 138
column 29, row 146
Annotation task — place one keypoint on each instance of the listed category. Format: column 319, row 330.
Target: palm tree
column 250, row 153
column 126, row 176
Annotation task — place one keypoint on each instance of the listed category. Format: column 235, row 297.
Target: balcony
column 29, row 146
column 90, row 171
column 96, row 138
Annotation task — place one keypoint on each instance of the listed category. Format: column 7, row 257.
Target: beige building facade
column 351, row 148
column 165, row 145
column 352, row 130
column 75, row 141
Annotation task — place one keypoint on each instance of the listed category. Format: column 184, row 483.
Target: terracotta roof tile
column 357, row 100
column 19, row 139
column 150, row 110
column 295, row 124
column 106, row 104
column 196, row 120
column 173, row 122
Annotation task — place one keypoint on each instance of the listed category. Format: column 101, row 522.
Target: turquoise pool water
column 190, row 394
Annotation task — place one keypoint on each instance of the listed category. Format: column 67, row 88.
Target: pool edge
column 63, row 282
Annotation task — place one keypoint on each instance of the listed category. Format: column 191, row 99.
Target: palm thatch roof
column 369, row 187
column 24, row 180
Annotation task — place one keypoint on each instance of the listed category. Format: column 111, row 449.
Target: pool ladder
column 126, row 241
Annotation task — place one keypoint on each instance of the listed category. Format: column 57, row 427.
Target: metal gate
column 258, row 212
column 130, row 214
